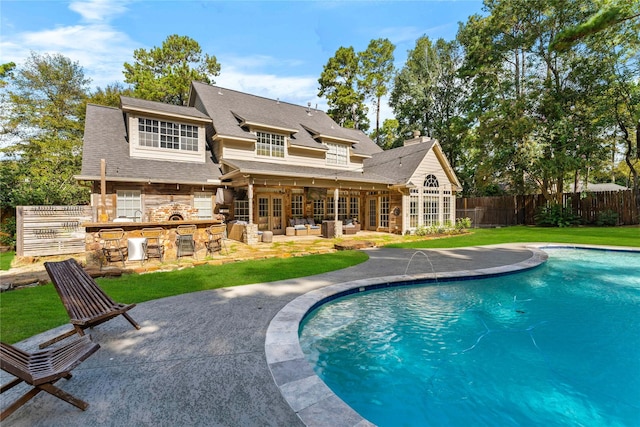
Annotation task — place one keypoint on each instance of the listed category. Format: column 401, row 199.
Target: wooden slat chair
column 86, row 304
column 42, row 369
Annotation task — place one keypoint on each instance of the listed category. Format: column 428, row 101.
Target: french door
column 270, row 214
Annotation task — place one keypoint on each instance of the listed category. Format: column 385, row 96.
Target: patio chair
column 112, row 248
column 86, row 304
column 42, row 369
column 153, row 246
column 185, row 243
column 216, row 239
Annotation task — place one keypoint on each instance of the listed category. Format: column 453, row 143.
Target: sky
column 275, row 49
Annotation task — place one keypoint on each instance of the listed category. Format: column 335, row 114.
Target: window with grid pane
column 202, row 202
column 129, row 204
column 241, row 210
column 354, row 207
column 297, row 206
column 384, row 211
column 342, row 208
column 337, row 154
column 413, row 208
column 169, row 135
column 318, row 210
column 269, row 144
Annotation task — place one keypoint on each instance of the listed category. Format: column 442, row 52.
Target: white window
column 129, row 204
column 338, row 154
column 297, row 206
column 169, row 135
column 414, row 200
column 384, row 211
column 318, row 210
column 202, row 202
column 269, row 144
column 354, row 207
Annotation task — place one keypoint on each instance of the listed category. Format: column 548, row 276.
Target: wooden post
column 103, row 217
column 250, row 197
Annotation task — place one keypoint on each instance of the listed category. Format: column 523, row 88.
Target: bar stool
column 153, row 247
column 185, row 243
column 112, row 248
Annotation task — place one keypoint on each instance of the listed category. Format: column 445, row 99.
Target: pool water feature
column 557, row 345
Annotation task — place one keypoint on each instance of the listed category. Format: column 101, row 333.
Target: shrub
column 8, row 232
column 556, row 216
column 607, row 218
column 463, row 223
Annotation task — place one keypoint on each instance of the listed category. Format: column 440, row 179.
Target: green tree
column 388, row 136
column 338, row 84
column 427, row 95
column 376, row 72
column 110, row 95
column 611, row 13
column 165, row 73
column 6, row 72
column 537, row 116
column 43, row 139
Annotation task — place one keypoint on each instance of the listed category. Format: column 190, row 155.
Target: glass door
column 270, row 214
column 373, row 214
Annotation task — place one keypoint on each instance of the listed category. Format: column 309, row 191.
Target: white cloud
column 97, row 46
column 98, row 10
column 294, row 89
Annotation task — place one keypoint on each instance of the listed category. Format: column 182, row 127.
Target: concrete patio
column 199, row 359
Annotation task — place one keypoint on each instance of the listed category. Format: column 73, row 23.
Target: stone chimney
column 417, row 139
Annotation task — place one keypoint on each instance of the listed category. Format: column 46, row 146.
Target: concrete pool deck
column 206, row 358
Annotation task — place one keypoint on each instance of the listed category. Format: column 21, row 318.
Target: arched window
column 431, row 181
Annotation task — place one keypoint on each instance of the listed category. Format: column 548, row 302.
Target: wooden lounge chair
column 86, row 304
column 42, row 369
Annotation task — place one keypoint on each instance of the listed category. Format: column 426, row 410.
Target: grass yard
column 29, row 311
column 26, row 312
column 5, row 259
column 615, row 236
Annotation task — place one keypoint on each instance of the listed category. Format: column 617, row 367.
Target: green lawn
column 5, row 259
column 29, row 311
column 616, row 236
column 25, row 312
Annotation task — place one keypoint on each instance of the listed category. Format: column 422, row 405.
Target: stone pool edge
column 307, row 395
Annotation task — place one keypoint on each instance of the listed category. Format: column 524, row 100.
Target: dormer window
column 269, row 144
column 169, row 135
column 338, row 154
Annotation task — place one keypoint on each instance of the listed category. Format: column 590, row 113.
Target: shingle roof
column 290, row 170
column 398, row 164
column 179, row 110
column 225, row 105
column 105, row 138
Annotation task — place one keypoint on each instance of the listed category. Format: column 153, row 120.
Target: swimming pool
column 557, row 345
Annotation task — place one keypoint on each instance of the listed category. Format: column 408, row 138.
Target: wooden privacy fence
column 51, row 230
column 521, row 210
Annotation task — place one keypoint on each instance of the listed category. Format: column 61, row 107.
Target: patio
column 199, row 358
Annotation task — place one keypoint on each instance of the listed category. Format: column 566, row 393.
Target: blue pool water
column 556, row 345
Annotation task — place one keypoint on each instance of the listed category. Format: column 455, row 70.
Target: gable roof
column 307, row 127
column 105, row 137
column 399, row 164
column 129, row 104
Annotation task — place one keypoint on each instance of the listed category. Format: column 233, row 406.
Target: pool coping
column 307, row 395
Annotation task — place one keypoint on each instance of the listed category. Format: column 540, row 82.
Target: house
column 259, row 161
